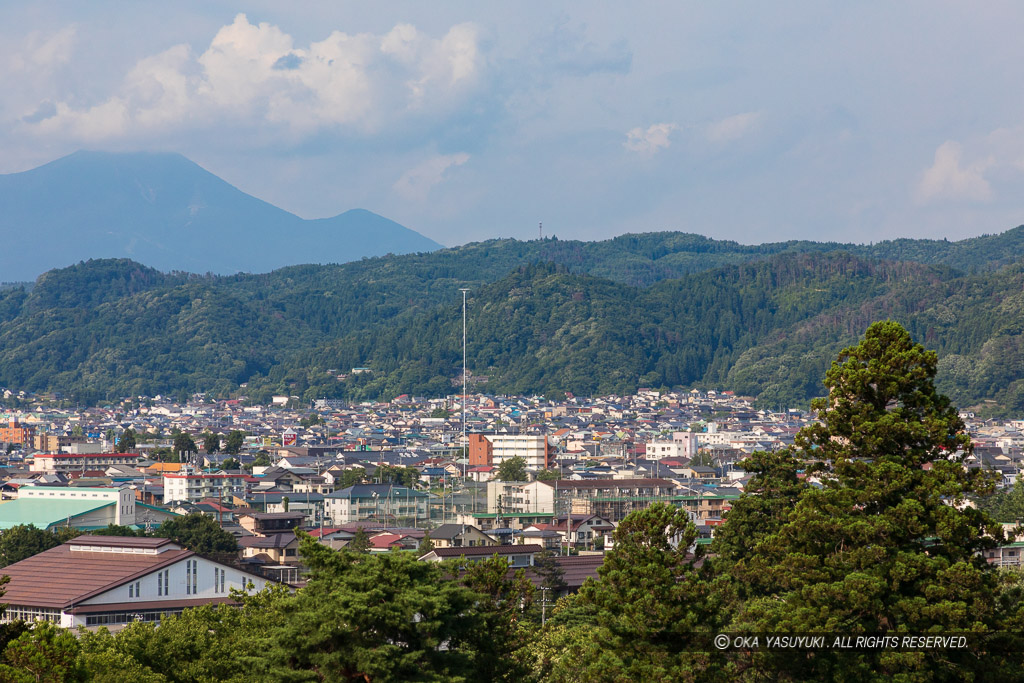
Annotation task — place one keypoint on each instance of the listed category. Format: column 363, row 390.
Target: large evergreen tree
column 882, row 544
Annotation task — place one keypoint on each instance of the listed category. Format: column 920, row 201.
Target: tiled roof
column 488, row 550
column 61, row 578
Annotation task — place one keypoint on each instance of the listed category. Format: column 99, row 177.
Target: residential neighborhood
column 397, row 474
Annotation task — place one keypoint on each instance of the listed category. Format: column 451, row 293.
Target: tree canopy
column 513, row 469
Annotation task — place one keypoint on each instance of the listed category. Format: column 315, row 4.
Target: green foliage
column 426, row 545
column 360, row 542
column 184, row 443
column 549, row 475
column 126, row 444
column 403, row 476
column 649, row 601
column 659, row 310
column 198, row 533
column 1006, row 505
column 385, row 616
column 513, row 469
column 230, row 464
column 46, row 653
column 350, row 477
column 211, row 443
column 234, row 442
column 25, row 540
column 881, row 546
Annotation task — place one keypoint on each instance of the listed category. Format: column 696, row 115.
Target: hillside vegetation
column 547, row 316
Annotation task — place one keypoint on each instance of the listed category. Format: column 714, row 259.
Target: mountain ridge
column 166, row 211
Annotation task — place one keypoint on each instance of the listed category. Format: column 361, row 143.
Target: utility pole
column 464, row 444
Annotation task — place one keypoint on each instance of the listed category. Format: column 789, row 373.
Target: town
column 463, row 476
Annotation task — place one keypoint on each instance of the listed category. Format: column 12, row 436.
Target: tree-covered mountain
column 546, row 316
column 167, row 212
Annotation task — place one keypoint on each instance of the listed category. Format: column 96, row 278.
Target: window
column 135, row 589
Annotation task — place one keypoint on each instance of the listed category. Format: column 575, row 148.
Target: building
column 611, row 499
column 57, row 463
column 682, row 445
column 192, row 488
column 459, row 536
column 80, row 507
column 517, row 555
column 494, row 449
column 56, row 443
column 115, row 580
column 513, row 497
column 379, row 502
column 15, row 432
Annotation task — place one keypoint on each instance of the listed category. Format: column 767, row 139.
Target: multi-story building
column 494, row 449
column 56, row 463
column 378, row 502
column 16, row 433
column 682, row 445
column 192, row 488
column 520, row 497
column 611, row 499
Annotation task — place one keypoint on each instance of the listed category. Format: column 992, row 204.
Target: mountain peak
column 165, row 211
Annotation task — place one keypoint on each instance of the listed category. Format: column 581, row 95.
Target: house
column 517, row 555
column 459, row 536
column 272, row 549
column 270, row 523
column 114, row 580
column 581, row 530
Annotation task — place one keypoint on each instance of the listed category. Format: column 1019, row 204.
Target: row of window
column 127, row 617
column 22, row 613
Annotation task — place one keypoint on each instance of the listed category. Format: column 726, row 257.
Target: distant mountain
column 166, row 212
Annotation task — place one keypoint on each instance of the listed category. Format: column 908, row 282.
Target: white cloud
column 649, row 140
column 732, row 127
column 254, row 74
column 416, row 183
column 946, row 179
column 40, row 50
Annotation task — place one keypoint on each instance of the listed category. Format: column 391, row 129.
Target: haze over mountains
column 167, row 212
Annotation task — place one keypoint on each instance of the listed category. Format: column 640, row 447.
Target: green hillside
column 659, row 309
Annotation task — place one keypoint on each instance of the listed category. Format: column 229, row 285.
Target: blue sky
column 466, row 121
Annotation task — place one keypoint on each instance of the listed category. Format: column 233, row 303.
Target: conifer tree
column 883, row 544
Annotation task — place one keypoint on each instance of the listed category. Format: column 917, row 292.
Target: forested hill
column 660, row 309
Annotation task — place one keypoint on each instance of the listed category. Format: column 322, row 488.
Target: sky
column 466, row 121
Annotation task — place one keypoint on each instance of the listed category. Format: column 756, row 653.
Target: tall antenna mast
column 464, row 444
column 540, row 230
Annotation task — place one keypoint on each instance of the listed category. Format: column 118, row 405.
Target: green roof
column 46, row 512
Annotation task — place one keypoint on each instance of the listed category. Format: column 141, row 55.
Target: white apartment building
column 192, row 488
column 494, row 449
column 54, row 463
column 520, row 497
column 682, row 445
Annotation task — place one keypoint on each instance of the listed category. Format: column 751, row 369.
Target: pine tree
column 883, row 545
